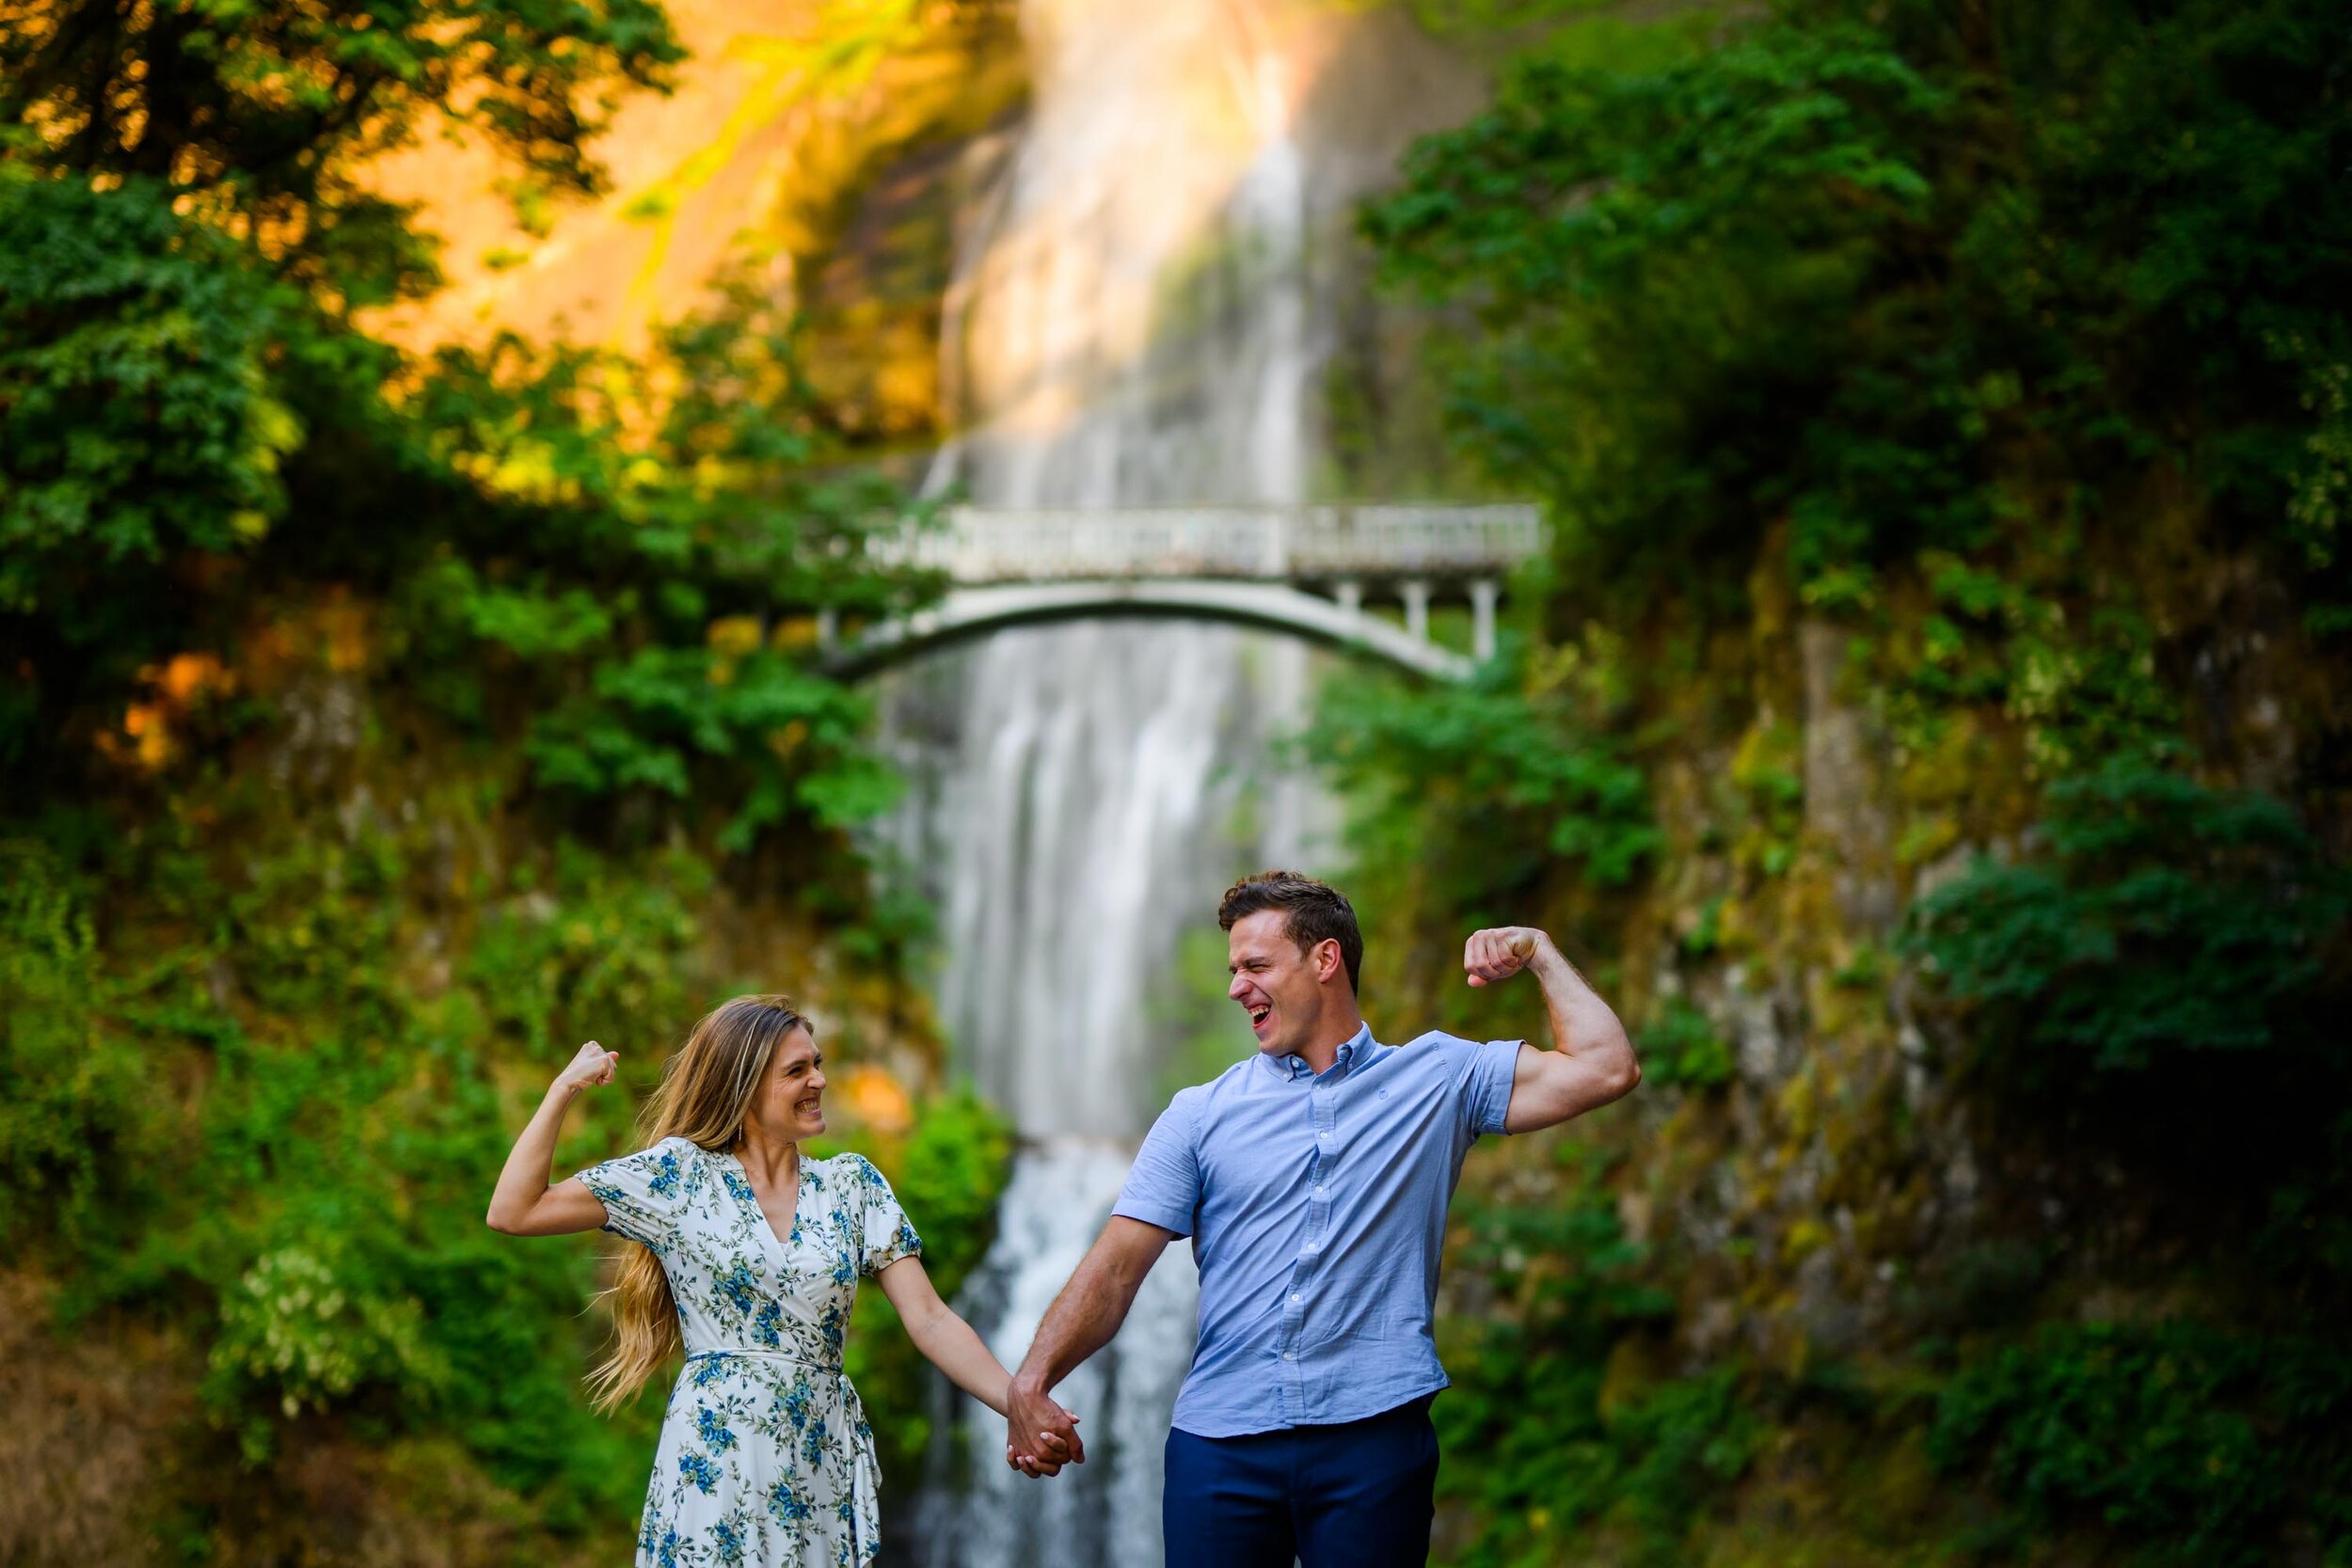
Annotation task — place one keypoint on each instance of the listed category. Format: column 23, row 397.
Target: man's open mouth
column 1259, row 1014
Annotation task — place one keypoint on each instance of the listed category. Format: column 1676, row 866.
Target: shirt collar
column 1351, row 1056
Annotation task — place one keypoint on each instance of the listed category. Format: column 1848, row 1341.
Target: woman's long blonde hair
column 707, row 1090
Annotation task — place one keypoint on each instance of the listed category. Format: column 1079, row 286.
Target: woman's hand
column 523, row 1203
column 593, row 1065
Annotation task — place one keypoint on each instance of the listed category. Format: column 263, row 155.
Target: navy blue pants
column 1356, row 1495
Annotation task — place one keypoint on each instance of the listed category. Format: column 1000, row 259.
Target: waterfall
column 1140, row 307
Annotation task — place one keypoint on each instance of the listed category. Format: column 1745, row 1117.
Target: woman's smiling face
column 791, row 1103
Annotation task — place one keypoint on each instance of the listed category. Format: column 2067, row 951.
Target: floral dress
column 765, row 1459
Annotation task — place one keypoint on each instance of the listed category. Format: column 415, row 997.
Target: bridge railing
column 1287, row 542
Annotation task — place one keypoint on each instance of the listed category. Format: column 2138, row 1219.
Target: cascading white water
column 1135, row 320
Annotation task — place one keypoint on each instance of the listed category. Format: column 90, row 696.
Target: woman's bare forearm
column 523, row 1203
column 523, row 1182
column 950, row 1344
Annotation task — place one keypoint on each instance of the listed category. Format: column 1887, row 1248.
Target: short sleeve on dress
column 889, row 1235
column 641, row 1192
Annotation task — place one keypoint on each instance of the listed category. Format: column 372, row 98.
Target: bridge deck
column 1287, row 544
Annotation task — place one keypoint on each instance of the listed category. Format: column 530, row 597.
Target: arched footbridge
column 1309, row 571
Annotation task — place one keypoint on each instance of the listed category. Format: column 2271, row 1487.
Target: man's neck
column 1329, row 1038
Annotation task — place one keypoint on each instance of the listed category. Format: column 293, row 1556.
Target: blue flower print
column 795, row 1404
column 786, row 1505
column 665, row 1183
column 835, row 1328
column 740, row 1287
column 766, row 1457
column 712, row 1428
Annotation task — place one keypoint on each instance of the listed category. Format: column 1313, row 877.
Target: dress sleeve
column 640, row 1192
column 889, row 1235
column 1163, row 1187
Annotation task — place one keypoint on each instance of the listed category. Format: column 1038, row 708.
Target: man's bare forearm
column 1081, row 1320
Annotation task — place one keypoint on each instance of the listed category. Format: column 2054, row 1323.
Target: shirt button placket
column 1320, row 1117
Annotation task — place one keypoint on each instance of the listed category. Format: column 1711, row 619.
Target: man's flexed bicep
column 1591, row 1062
column 1039, row 1435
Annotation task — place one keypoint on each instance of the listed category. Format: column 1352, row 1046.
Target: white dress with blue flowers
column 765, row 1459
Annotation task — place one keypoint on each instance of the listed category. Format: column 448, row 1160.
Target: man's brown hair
column 1312, row 912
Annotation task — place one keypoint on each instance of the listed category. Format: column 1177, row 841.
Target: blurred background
column 520, row 520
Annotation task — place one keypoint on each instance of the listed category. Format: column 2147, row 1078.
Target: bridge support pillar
column 1416, row 609
column 1483, row 594
column 1350, row 595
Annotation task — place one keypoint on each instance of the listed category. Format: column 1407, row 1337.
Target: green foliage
column 136, row 410
column 1478, row 787
column 617, row 589
column 1680, row 1046
column 2157, row 918
column 1670, row 262
column 373, row 731
column 615, row 563
column 2195, row 1446
column 74, row 1106
column 1896, row 284
column 261, row 112
column 1538, row 1443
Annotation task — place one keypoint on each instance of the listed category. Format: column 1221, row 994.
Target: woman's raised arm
column 523, row 1203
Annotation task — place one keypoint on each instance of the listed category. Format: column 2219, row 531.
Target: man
column 1313, row 1180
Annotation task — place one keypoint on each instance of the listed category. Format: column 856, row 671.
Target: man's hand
column 1039, row 1435
column 1496, row 953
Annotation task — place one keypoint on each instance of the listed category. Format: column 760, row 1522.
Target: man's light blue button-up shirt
column 1316, row 1206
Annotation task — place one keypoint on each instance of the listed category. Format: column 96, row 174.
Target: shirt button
column 1294, row 1296
column 1325, row 1136
column 1318, row 1191
column 1290, row 1355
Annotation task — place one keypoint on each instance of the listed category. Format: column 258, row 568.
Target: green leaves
column 644, row 568
column 260, row 111
column 2158, row 919
column 138, row 416
column 1508, row 780
column 2191, row 1442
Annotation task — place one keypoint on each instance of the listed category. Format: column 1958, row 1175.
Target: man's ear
column 1327, row 959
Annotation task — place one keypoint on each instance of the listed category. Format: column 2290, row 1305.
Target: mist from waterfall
column 1135, row 320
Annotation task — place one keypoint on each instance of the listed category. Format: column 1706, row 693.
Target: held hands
column 1039, row 1435
column 1494, row 955
column 593, row 1065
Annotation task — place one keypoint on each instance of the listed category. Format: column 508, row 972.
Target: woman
column 747, row 1261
